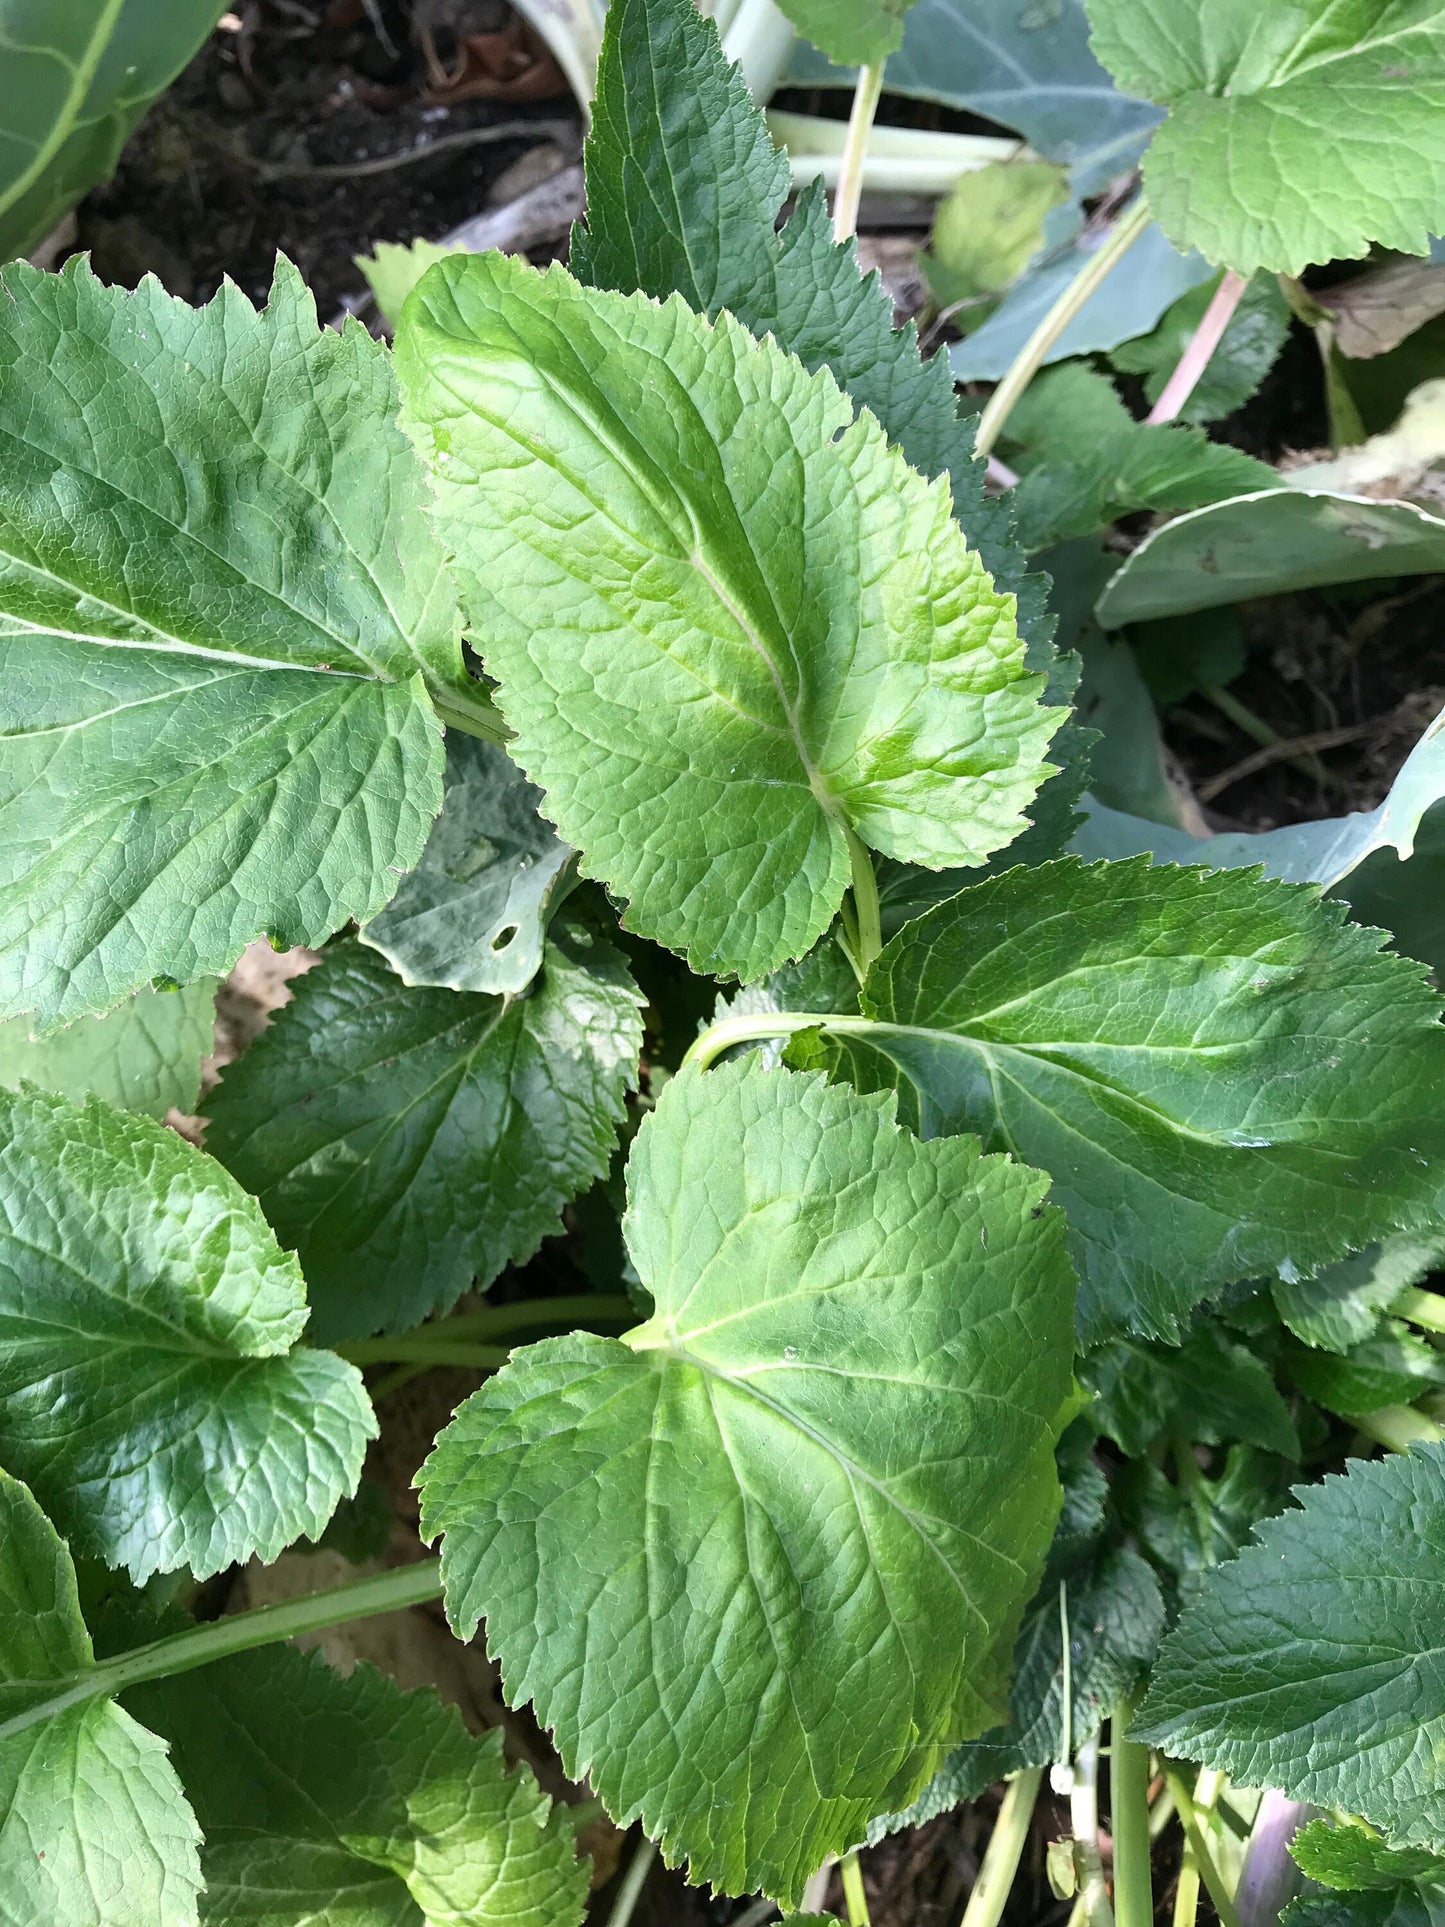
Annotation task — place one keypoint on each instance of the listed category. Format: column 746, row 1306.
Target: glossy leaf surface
column 1221, row 1077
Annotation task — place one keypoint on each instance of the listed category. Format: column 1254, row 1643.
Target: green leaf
column 772, row 635
column 323, row 1798
column 1247, row 350
column 1185, row 653
column 1115, row 1616
column 75, row 77
column 1209, row 1391
column 1086, row 462
column 1271, row 544
column 1342, row 1305
column 94, row 1828
column 1221, row 1077
column 1311, row 1662
column 1186, row 1534
column 1390, row 1367
column 474, row 912
column 406, row 1142
column 684, row 190
column 1404, row 1907
column 988, row 229
column 1124, row 306
column 1023, row 67
column 1355, row 1859
column 144, row 1056
column 850, row 32
column 219, row 606
column 393, row 270
column 717, row 1554
column 1286, row 126
column 151, row 1387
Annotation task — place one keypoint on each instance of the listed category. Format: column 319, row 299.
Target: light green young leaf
column 988, row 229
column 75, row 77
column 94, row 1828
column 144, row 1056
column 1220, row 1075
column 407, row 1142
column 1344, row 1303
column 393, row 270
column 684, row 193
column 220, row 609
column 850, row 32
column 1295, row 134
column 474, row 912
column 1310, row 1663
column 1247, row 350
column 1354, row 1859
column 761, row 1562
column 323, row 1799
column 730, row 627
column 151, row 1387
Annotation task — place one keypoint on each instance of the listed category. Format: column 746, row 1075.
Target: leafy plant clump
column 994, row 1217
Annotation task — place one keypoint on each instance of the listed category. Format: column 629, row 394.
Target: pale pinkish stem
column 1206, row 338
column 1000, row 474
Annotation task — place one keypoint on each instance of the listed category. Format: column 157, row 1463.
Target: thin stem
column 1213, row 1880
column 1200, row 349
column 633, row 1881
column 1084, row 1818
column 1423, row 1308
column 866, row 95
column 745, row 1029
column 1129, row 1822
column 1259, row 731
column 441, row 1336
column 815, row 1894
column 409, row 1349
column 1004, row 1851
column 1207, row 1789
column 760, row 1911
column 865, row 903
column 1030, row 358
column 1397, row 1427
column 237, row 1633
column 854, row 1897
column 393, row 1381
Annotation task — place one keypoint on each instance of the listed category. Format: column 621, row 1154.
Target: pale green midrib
column 676, row 1352
column 83, row 73
column 161, row 644
column 691, row 551
column 1298, row 63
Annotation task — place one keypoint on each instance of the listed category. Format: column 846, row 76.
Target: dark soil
column 283, row 134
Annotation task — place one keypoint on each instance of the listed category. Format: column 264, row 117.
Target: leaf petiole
column 237, row 1633
column 1004, row 1851
column 1030, row 358
column 1203, row 1859
column 461, row 1339
column 1129, row 1820
column 748, row 1028
column 478, row 717
column 854, row 1898
column 866, row 95
column 865, row 902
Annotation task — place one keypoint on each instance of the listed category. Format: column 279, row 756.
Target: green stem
column 1084, row 1819
column 865, row 903
column 1396, row 1426
column 437, row 1343
column 236, row 1633
column 1213, row 1880
column 744, row 1029
column 1423, row 1308
column 854, row 1897
column 760, row 1911
column 1129, row 1819
column 633, row 1881
column 866, row 94
column 1030, row 358
column 1005, row 1850
column 1259, row 731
